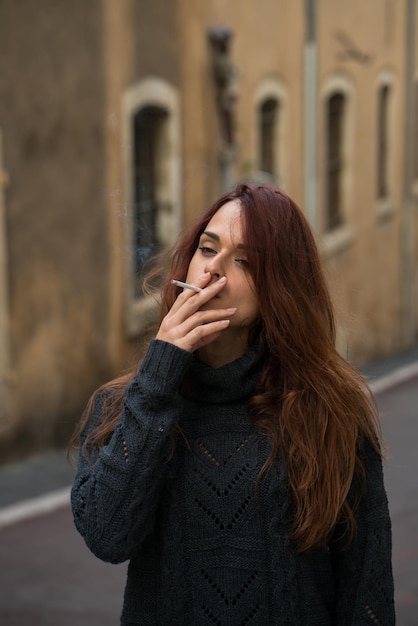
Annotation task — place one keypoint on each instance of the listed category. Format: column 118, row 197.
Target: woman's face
column 222, row 253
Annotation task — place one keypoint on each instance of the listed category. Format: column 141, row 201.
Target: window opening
column 268, row 120
column 382, row 147
column 148, row 125
column 335, row 118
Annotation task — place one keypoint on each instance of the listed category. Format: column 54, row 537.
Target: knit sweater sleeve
column 365, row 594
column 116, row 490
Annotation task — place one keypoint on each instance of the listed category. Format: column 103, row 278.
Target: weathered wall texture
column 360, row 46
column 65, row 71
column 51, row 117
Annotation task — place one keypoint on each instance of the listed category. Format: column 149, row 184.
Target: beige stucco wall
column 64, row 71
column 65, row 74
column 51, row 115
column 360, row 45
column 140, row 41
column 6, row 376
column 266, row 45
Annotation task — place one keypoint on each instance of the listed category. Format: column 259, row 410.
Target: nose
column 214, row 267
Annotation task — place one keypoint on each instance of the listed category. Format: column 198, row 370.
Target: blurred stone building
column 120, row 120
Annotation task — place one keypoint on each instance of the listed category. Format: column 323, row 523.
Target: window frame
column 334, row 160
column 158, row 93
column 383, row 142
column 268, row 120
column 272, row 89
column 340, row 238
column 385, row 202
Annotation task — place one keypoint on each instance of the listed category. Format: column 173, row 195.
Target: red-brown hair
column 313, row 404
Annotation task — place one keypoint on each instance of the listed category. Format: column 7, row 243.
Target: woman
column 238, row 468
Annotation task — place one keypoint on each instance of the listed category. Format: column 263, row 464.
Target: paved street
column 48, row 577
column 399, row 414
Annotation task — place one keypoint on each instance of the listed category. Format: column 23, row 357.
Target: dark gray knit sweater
column 206, row 545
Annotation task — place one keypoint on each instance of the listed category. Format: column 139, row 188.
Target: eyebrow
column 215, row 237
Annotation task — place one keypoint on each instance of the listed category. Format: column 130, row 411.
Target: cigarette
column 179, row 283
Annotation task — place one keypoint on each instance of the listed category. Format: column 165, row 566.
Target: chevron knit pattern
column 207, row 541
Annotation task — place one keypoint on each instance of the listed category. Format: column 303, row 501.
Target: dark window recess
column 148, row 124
column 268, row 119
column 335, row 130
column 382, row 145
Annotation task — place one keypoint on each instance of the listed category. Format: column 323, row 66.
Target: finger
column 191, row 301
column 209, row 292
column 202, row 335
column 204, row 341
column 185, row 294
column 181, row 333
column 203, row 318
column 174, row 330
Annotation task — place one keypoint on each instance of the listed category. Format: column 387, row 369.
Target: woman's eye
column 242, row 262
column 206, row 250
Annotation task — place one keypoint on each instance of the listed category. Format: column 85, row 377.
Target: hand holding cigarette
column 188, row 325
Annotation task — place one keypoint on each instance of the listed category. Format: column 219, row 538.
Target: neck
column 225, row 349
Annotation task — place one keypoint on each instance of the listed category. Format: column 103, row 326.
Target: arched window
column 148, row 139
column 382, row 142
column 268, row 135
column 152, row 190
column 270, row 148
column 335, row 110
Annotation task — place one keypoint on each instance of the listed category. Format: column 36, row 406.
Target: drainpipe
column 407, row 241
column 310, row 113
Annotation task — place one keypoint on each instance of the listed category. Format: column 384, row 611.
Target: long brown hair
column 313, row 404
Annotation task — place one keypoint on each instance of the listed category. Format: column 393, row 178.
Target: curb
column 398, row 376
column 26, row 509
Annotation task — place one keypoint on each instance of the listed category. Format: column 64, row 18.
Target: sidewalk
column 26, row 481
column 402, row 361
column 51, row 473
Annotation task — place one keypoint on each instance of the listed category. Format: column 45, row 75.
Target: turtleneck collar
column 232, row 382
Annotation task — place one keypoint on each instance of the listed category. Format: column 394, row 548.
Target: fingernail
column 232, row 309
column 221, row 280
column 204, row 276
